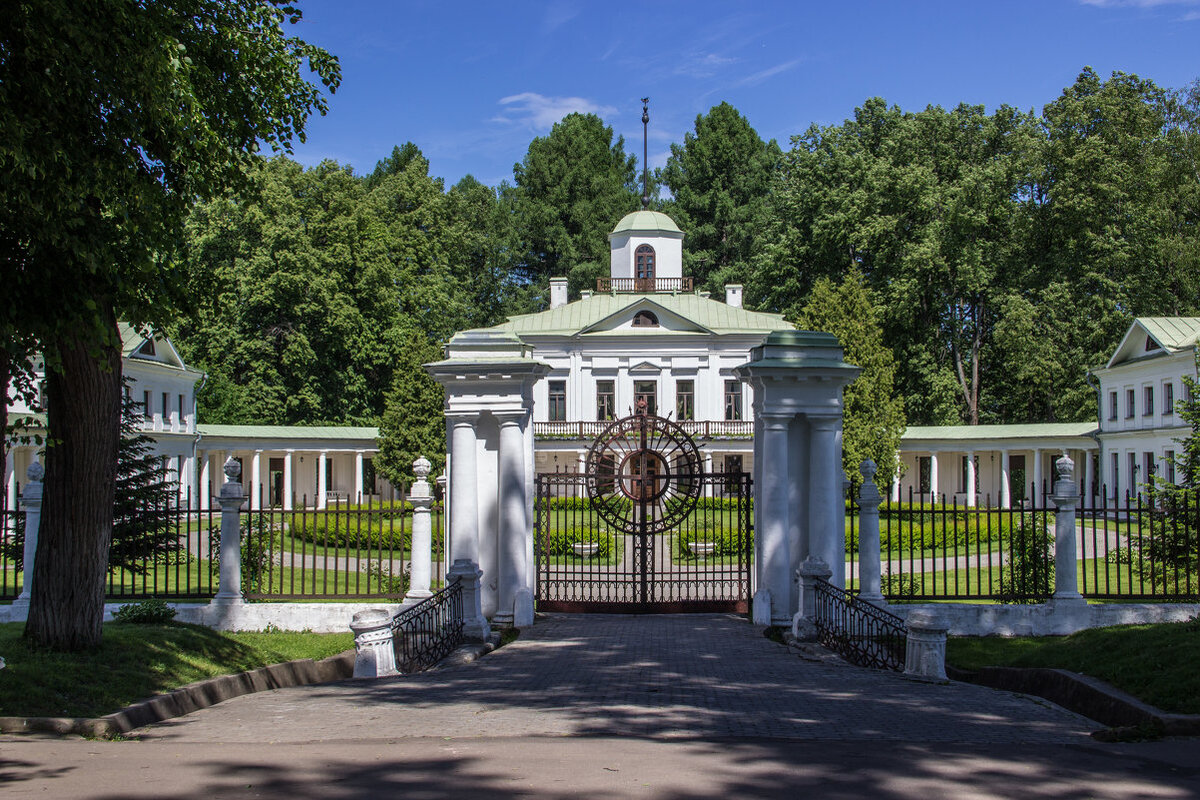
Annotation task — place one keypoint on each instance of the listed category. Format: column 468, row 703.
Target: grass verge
column 1155, row 663
column 135, row 662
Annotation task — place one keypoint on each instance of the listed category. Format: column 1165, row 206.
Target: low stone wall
column 1048, row 619
column 315, row 617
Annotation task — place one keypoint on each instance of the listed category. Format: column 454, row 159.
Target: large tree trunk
column 84, row 426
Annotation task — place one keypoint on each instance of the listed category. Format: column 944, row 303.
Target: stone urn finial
column 233, row 470
column 421, row 468
column 1065, row 468
column 36, row 472
column 868, row 469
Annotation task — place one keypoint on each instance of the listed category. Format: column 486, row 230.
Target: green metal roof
column 1049, row 430
column 1172, row 332
column 577, row 317
column 646, row 222
column 288, row 431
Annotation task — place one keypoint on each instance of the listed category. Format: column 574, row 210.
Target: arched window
column 644, row 262
column 645, row 319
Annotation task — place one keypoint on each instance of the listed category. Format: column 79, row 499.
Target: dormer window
column 1151, row 345
column 645, row 319
column 644, row 263
column 146, row 349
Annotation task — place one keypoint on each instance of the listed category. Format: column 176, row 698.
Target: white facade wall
column 668, row 254
column 1135, row 435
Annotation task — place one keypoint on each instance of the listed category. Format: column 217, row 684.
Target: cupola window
column 645, row 319
column 644, row 262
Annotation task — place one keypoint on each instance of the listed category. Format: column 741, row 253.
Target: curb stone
column 192, row 697
column 1083, row 694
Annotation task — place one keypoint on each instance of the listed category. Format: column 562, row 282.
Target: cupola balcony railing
column 644, row 285
column 699, row 429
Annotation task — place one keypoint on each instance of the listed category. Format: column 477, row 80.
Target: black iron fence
column 860, row 632
column 427, row 632
column 172, row 551
column 1143, row 547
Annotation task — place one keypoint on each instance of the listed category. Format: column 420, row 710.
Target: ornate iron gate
column 643, row 528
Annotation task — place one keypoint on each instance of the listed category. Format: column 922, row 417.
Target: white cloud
column 539, row 112
column 557, row 15
column 702, row 65
column 769, row 72
column 1191, row 16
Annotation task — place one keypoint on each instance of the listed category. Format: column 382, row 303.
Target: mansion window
column 1129, row 402
column 606, row 400
column 644, row 319
column 166, row 409
column 1169, row 465
column 685, row 400
column 733, row 399
column 1112, row 405
column 1168, row 398
column 645, row 391
column 1147, row 401
column 558, row 401
column 1116, row 476
column 644, row 262
column 147, row 411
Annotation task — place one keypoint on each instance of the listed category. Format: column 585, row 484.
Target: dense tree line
column 976, row 263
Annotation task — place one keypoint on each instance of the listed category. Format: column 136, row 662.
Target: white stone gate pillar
column 1065, row 499
column 797, row 379
column 420, row 577
column 869, row 571
column 230, row 590
column 489, row 378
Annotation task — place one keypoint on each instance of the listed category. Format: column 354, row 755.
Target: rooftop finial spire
column 645, row 164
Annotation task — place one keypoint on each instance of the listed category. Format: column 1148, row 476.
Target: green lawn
column 135, row 662
column 1156, row 663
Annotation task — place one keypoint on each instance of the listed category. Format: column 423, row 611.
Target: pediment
column 645, row 368
column 1137, row 343
column 158, row 348
column 645, row 317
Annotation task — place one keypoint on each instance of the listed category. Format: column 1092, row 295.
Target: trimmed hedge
column 579, row 504
column 728, row 542
column 559, row 542
column 339, row 531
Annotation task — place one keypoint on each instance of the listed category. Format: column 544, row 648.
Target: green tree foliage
column 113, row 123
column 413, row 425
column 720, row 177
column 874, row 415
column 569, row 191
column 1172, row 549
column 310, row 286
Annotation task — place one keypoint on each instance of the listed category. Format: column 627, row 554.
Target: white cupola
column 646, row 245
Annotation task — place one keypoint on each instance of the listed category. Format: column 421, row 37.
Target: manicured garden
column 137, row 661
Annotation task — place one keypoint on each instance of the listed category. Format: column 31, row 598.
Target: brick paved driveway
column 660, row 677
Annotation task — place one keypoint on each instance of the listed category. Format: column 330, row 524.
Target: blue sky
column 472, row 83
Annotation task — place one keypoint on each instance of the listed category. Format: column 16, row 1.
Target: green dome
column 646, row 222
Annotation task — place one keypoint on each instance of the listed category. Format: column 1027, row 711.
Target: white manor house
column 645, row 337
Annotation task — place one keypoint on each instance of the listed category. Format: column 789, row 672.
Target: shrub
column 900, row 586
column 147, row 612
column 379, row 574
column 1030, row 574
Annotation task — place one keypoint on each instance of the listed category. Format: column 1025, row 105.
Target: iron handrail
column 425, row 633
column 862, row 633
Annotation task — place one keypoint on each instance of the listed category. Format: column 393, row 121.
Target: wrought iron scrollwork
column 860, row 632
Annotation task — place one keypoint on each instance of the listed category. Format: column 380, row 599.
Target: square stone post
column 230, row 499
column 1065, row 499
column 804, row 623
column 421, row 543
column 475, row 625
column 869, row 577
column 31, row 501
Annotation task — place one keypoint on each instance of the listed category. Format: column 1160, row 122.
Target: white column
column 970, row 479
column 321, row 488
column 933, row 477
column 1005, row 478
column 421, row 550
column 1065, row 499
column 896, row 481
column 256, row 498
column 229, row 591
column 464, row 498
column 513, row 528
column 31, row 504
column 869, row 574
column 774, row 555
column 1085, row 462
column 204, row 491
column 10, row 479
column 288, row 489
column 358, row 476
column 827, row 539
column 1037, row 477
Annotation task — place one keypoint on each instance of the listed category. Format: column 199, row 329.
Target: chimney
column 558, row 292
column 733, row 295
